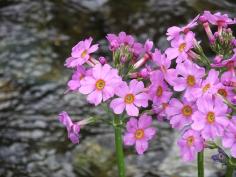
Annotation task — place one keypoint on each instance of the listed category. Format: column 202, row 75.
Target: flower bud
column 144, row 73
column 102, row 60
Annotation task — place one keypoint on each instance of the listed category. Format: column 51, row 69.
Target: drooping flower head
column 211, row 118
column 229, row 137
column 81, row 53
column 101, row 84
column 175, row 32
column 76, row 78
column 73, row 129
column 139, row 132
column 130, row 98
column 218, row 19
column 190, row 144
column 180, row 113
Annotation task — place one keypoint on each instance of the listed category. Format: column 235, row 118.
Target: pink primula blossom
column 190, row 144
column 101, row 84
column 223, row 90
column 164, row 64
column 73, row 129
column 124, row 40
column 229, row 137
column 139, row 132
column 130, row 98
column 81, row 53
column 160, row 110
column 148, row 46
column 174, row 32
column 179, row 48
column 191, row 78
column 209, row 86
column 77, row 76
column 218, row 18
column 180, row 113
column 211, row 118
column 158, row 90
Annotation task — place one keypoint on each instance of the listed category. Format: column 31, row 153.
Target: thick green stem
column 230, row 167
column 119, row 146
column 200, row 163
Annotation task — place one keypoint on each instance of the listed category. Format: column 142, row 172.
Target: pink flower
column 130, row 97
column 137, row 49
column 158, row 90
column 73, row 129
column 218, row 18
column 229, row 63
column 77, row 76
column 190, row 144
column 160, row 110
column 180, row 113
column 191, row 78
column 209, row 86
column 139, row 133
column 148, row 46
column 211, row 118
column 174, row 32
column 229, row 137
column 121, row 39
column 101, row 84
column 179, row 48
column 164, row 64
column 124, row 40
column 81, row 53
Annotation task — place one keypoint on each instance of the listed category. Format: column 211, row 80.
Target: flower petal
column 141, row 146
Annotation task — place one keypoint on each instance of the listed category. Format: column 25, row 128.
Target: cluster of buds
column 194, row 92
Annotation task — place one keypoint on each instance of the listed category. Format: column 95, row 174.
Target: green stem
column 230, row 167
column 119, row 146
column 200, row 163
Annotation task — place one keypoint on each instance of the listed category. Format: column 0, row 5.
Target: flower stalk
column 200, row 163
column 230, row 167
column 119, row 146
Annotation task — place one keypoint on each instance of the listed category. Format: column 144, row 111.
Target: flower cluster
column 194, row 92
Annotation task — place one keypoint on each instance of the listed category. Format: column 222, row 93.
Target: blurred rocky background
column 35, row 38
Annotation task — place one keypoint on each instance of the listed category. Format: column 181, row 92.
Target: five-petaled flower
column 211, row 118
column 139, row 132
column 190, row 144
column 130, row 98
column 101, row 84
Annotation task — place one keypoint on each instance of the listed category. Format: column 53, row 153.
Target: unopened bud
column 102, row 60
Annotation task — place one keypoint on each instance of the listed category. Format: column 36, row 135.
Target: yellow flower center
column 159, row 91
column 191, row 80
column 206, row 87
column 84, row 53
column 190, row 140
column 210, row 117
column 81, row 77
column 164, row 105
column 182, row 47
column 222, row 92
column 139, row 134
column 100, row 84
column 129, row 98
column 187, row 110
